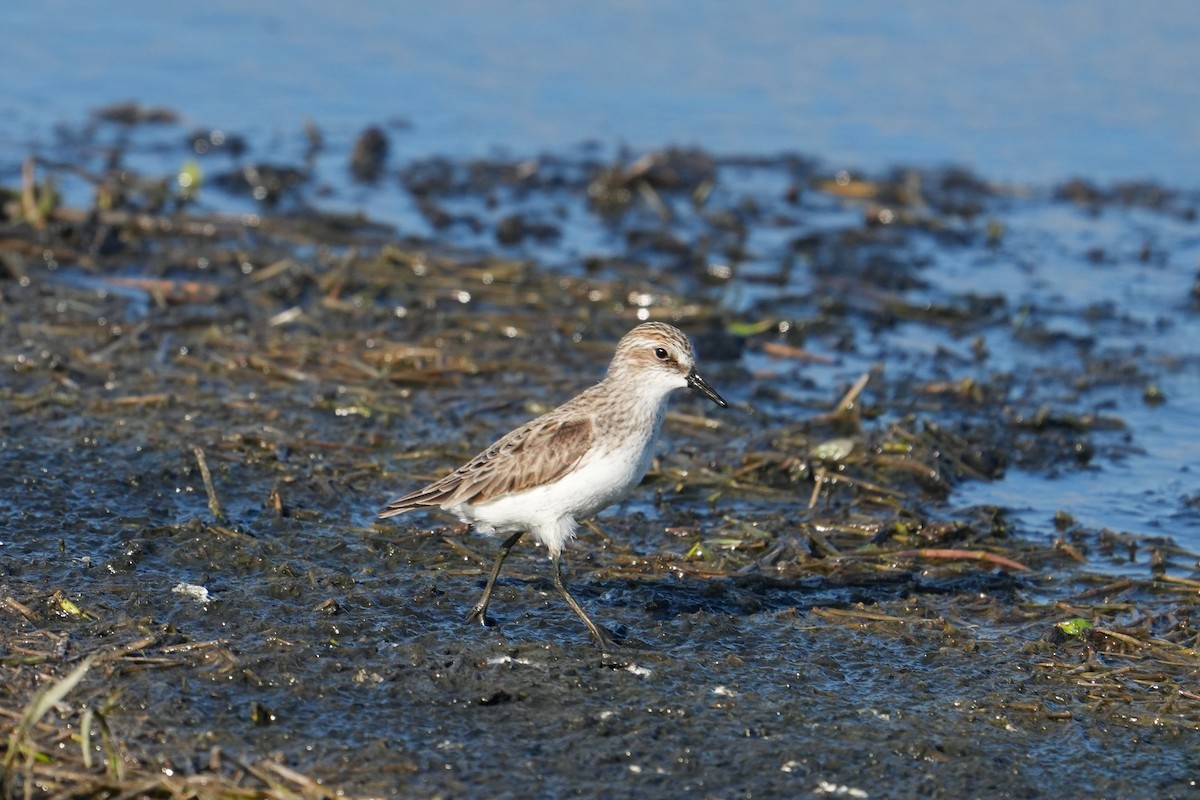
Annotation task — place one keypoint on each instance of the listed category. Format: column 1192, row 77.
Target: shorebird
column 572, row 462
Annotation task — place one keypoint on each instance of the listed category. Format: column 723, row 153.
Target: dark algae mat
column 211, row 387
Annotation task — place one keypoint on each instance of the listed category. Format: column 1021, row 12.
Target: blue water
column 1147, row 478
column 1019, row 91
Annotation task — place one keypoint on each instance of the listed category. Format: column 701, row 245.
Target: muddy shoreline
column 817, row 615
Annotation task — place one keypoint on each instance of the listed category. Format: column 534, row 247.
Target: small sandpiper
column 571, row 462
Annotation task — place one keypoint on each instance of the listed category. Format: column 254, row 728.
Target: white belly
column 550, row 512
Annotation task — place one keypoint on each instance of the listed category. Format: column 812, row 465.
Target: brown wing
column 534, row 454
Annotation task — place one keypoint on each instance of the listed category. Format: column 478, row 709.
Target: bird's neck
column 631, row 414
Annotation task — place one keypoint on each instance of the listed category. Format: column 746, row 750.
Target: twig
column 29, row 204
column 214, row 504
column 818, row 480
column 21, row 608
column 975, row 555
column 820, row 542
column 780, row 350
column 870, row 616
column 851, row 396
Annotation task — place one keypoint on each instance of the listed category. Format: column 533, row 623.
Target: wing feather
column 533, row 455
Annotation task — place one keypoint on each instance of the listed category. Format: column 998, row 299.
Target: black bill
column 700, row 385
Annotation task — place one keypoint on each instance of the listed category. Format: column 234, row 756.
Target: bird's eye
column 661, row 353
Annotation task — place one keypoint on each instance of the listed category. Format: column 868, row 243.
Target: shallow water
column 1081, row 307
column 325, row 365
column 323, row 368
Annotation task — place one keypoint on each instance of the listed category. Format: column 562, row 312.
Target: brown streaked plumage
column 571, row 462
column 558, row 443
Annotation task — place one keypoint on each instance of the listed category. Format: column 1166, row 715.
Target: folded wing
column 533, row 455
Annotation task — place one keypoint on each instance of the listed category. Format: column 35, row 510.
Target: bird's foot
column 610, row 642
column 478, row 613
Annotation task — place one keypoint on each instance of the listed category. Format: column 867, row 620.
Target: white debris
column 193, row 591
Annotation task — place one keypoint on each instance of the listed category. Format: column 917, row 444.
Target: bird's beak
column 700, row 385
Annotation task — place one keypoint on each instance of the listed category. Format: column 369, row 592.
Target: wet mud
column 204, row 406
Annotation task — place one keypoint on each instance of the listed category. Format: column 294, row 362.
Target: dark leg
column 479, row 610
column 603, row 636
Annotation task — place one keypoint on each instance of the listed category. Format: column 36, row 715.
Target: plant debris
column 204, row 410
